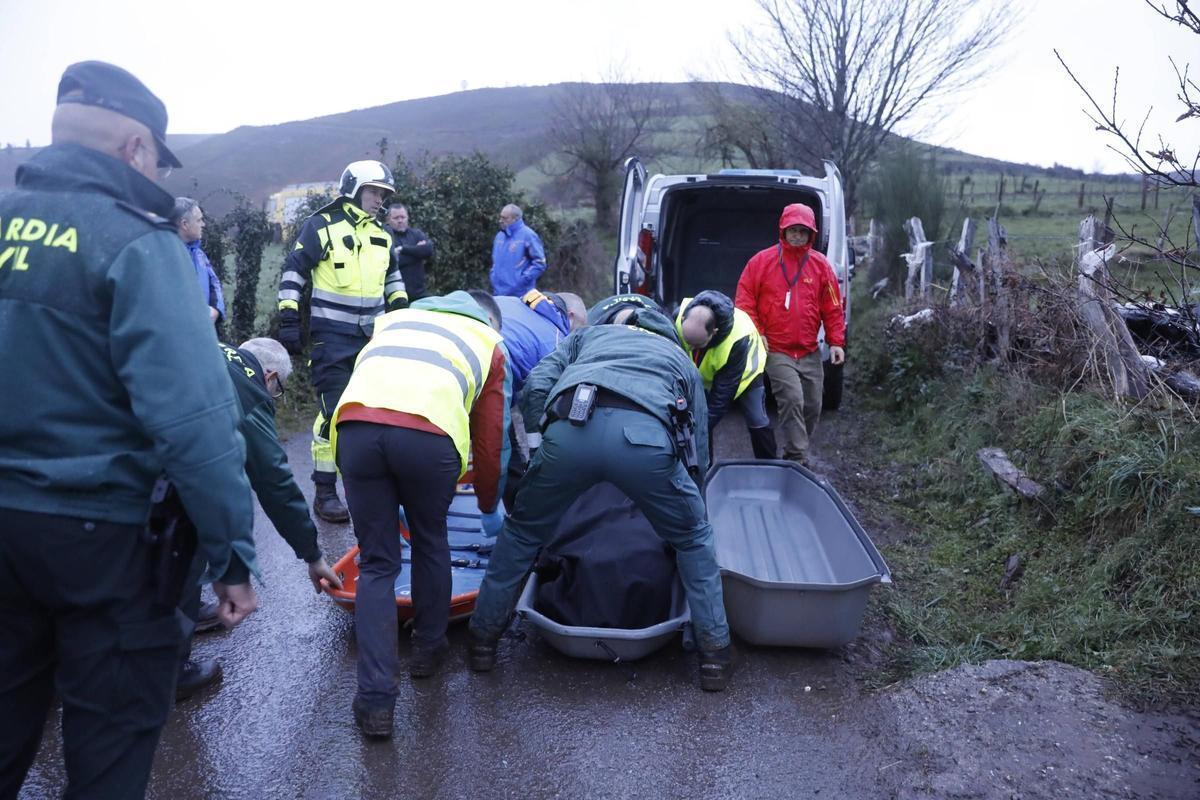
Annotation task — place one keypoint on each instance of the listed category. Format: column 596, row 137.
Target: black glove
column 289, row 331
column 398, row 303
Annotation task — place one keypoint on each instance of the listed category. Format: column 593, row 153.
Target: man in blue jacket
column 189, row 221
column 518, row 257
column 532, row 328
column 534, row 325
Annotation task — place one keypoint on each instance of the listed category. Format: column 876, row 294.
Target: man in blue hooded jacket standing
column 518, row 257
column 189, row 221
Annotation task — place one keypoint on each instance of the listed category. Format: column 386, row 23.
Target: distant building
column 282, row 206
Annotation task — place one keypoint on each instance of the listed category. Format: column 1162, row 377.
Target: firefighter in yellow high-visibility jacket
column 346, row 254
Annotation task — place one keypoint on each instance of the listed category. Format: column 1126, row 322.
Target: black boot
column 327, row 506
column 481, row 653
column 426, row 658
column 194, row 675
column 763, row 442
column 716, row 667
column 208, row 619
column 372, row 719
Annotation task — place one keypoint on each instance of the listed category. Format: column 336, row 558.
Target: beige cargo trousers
column 798, row 385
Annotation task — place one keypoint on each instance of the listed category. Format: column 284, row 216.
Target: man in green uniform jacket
column 639, row 383
column 259, row 370
column 112, row 378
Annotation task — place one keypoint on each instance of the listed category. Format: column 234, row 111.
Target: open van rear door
column 627, row 271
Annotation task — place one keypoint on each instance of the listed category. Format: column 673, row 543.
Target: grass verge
column 1111, row 575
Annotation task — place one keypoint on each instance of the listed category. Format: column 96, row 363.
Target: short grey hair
column 183, row 207
column 271, row 355
column 394, row 206
column 514, row 210
column 576, row 310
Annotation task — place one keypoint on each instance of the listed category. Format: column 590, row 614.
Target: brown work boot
column 327, row 506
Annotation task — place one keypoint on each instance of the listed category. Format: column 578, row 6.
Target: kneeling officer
column 621, row 403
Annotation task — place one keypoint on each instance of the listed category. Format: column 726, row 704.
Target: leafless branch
column 596, row 126
column 837, row 77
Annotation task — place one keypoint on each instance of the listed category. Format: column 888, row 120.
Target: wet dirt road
column 793, row 723
column 540, row 725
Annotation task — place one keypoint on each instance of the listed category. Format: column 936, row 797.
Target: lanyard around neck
column 783, row 268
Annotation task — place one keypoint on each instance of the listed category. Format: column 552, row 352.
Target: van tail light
column 646, row 248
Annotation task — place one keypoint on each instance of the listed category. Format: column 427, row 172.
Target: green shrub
column 1110, row 580
column 456, row 200
column 904, row 183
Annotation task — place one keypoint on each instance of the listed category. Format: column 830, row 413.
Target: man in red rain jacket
column 789, row 290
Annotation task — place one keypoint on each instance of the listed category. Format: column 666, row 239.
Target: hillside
column 506, row 124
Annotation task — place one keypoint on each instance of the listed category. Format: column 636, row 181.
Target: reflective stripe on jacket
column 347, row 255
column 716, row 357
column 428, row 363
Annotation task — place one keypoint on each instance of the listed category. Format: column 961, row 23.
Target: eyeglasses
column 163, row 172
column 275, row 386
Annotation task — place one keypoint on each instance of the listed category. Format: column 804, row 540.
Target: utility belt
column 592, row 397
column 172, row 540
column 577, row 406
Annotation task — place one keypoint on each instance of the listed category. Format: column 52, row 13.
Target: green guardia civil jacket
column 641, row 361
column 266, row 462
column 112, row 376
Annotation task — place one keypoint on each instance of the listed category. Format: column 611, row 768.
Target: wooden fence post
column 920, row 260
column 1195, row 221
column 962, row 261
column 1166, row 225
column 997, row 258
column 1114, row 346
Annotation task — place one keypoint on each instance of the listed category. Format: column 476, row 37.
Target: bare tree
column 596, row 126
column 839, row 76
column 1165, row 320
column 742, row 129
column 1160, row 161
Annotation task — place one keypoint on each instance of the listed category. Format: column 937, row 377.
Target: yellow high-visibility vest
column 348, row 282
column 717, row 357
column 429, row 363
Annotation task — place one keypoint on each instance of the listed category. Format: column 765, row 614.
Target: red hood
column 797, row 214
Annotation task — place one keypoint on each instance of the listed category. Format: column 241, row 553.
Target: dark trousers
column 77, row 616
column 385, row 467
column 189, row 606
column 414, row 282
column 331, row 360
column 633, row 451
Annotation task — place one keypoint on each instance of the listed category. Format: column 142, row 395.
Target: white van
column 682, row 234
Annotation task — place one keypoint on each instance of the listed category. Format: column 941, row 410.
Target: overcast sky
column 221, row 64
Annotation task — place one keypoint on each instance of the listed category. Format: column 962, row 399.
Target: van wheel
column 833, row 387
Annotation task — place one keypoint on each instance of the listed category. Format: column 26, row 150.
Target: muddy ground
column 793, row 724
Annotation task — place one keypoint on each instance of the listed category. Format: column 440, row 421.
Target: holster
column 171, row 537
column 683, row 429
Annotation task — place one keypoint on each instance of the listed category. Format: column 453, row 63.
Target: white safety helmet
column 366, row 173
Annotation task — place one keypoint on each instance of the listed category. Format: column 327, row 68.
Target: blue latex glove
column 490, row 522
